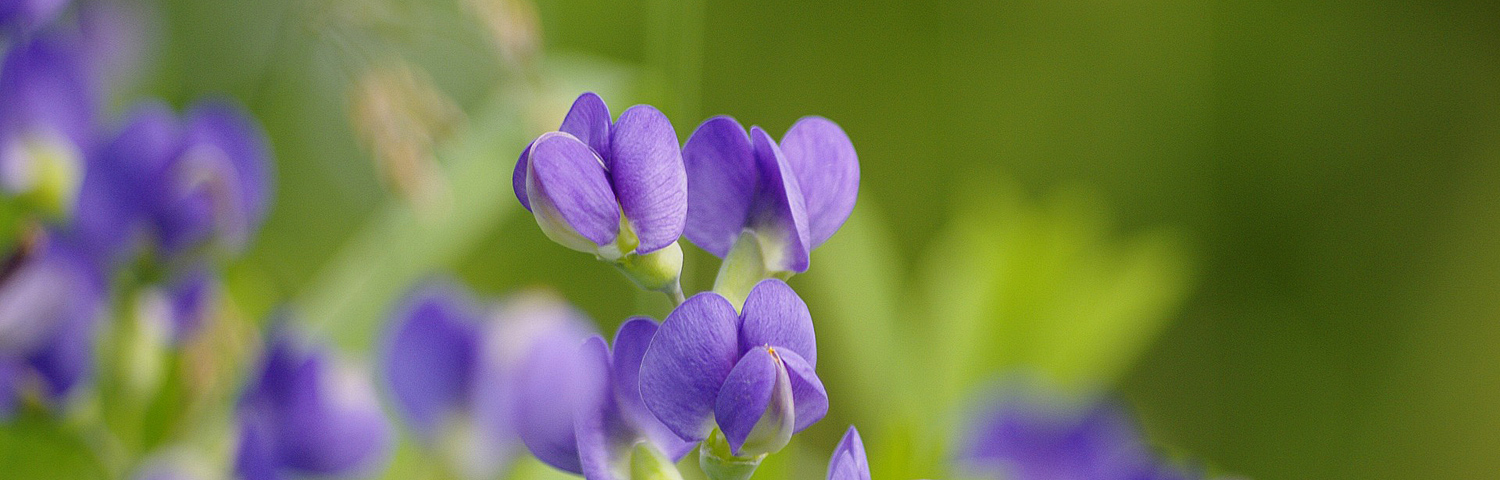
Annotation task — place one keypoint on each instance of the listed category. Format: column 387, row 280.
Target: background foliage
column 1300, row 198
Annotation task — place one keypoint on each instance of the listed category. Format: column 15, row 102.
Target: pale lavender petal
column 722, row 178
column 687, row 362
column 848, row 461
column 645, row 166
column 827, row 169
column 553, row 383
column 808, row 394
column 775, row 315
column 223, row 130
column 588, row 119
column 602, row 436
column 430, row 355
column 19, row 18
column 746, row 396
column 518, row 176
column 631, row 342
column 570, row 178
column 780, row 215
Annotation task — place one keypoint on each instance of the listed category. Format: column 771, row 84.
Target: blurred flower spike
column 1032, row 436
column 752, row 374
column 46, row 124
column 616, row 190
column 304, row 414
column 764, row 207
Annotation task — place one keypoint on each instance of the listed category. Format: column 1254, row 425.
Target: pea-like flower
column 848, row 460
column 751, row 373
column 603, row 429
column 773, row 203
column 46, row 123
column 1026, row 438
column 304, row 415
column 613, row 189
column 452, row 366
column 200, row 183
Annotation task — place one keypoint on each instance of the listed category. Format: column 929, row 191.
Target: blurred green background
column 1304, row 196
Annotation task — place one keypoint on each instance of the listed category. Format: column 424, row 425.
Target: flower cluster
column 141, row 216
column 734, row 371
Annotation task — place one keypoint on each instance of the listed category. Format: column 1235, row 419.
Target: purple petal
column 303, row 414
column 749, row 400
column 429, row 358
column 228, row 155
column 588, row 120
column 848, row 460
column 645, row 166
column 10, row 387
column 631, row 342
column 598, row 425
column 827, row 169
column 553, row 383
column 780, row 216
column 687, row 362
column 122, row 188
column 44, row 89
column 775, row 315
column 21, row 17
column 808, row 394
column 722, row 179
column 50, row 287
column 568, row 180
column 518, row 176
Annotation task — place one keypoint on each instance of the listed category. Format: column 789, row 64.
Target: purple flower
column 848, row 459
column 579, row 404
column 609, row 189
column 204, row 182
column 752, row 373
column 430, row 361
column 1034, row 439
column 790, row 198
column 46, row 123
column 305, row 415
column 22, row 17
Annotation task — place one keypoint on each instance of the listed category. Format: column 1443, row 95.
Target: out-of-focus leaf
column 35, row 445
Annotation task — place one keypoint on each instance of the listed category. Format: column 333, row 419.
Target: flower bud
column 648, row 463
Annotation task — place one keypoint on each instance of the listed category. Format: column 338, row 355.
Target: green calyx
column 720, row 463
column 647, row 463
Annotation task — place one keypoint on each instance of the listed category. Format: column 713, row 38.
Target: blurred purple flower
column 753, row 373
column 848, row 460
column 19, row 18
column 47, row 111
column 579, row 180
column 204, row 182
column 1027, row 438
column 182, row 305
column 50, row 300
column 791, row 197
column 609, row 417
column 305, row 415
